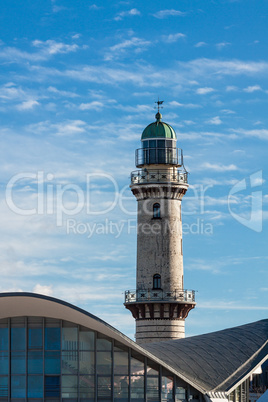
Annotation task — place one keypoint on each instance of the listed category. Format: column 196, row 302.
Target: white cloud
column 62, row 93
column 219, row 167
column 200, row 44
column 222, row 45
column 231, row 88
column 252, row 88
column 52, row 47
column 215, row 120
column 186, row 105
column 204, row 91
column 262, row 134
column 65, row 128
column 116, row 51
column 227, row 111
column 28, row 105
column 95, row 105
column 168, row 13
column 171, row 38
column 128, row 13
column 43, row 290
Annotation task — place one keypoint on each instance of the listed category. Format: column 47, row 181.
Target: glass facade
column 43, row 359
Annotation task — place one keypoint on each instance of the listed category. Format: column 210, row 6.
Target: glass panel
column 69, row 338
column 152, row 389
column 152, row 156
column 104, row 362
column 137, row 388
column 52, row 338
column 69, row 362
column 161, row 156
column 35, row 362
column 144, row 144
column 121, row 362
column 86, row 339
column 4, row 362
column 86, row 362
column 152, row 368
column 3, row 387
column 18, row 389
column 18, row 362
column 167, row 389
column 52, row 386
column 152, row 144
column 121, row 388
column 52, row 362
column 18, row 338
column 35, row 338
column 160, row 143
column 87, row 386
column 69, row 386
column 103, row 343
column 35, row 386
column 180, row 394
column 3, row 338
column 104, row 388
column 170, row 143
column 137, row 367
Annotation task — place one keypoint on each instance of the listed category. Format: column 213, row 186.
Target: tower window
column 157, row 281
column 156, row 211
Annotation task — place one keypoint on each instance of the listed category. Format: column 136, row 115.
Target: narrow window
column 156, row 211
column 157, row 281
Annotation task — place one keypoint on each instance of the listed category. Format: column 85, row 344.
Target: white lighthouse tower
column 159, row 304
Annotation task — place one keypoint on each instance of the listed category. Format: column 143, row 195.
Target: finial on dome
column 158, row 116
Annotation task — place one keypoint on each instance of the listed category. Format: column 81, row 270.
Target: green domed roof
column 158, row 129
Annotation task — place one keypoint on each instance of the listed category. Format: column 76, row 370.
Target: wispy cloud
column 171, row 38
column 252, row 88
column 262, row 134
column 52, row 47
column 222, row 45
column 129, row 13
column 95, row 105
column 121, row 48
column 200, row 44
column 27, row 105
column 215, row 121
column 168, row 13
column 219, row 167
column 204, row 91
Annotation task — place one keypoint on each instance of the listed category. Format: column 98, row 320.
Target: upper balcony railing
column 163, row 156
column 155, row 295
column 159, row 176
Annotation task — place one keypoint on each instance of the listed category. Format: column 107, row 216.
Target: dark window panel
column 3, row 338
column 18, row 338
column 18, row 362
column 103, row 343
column 52, row 386
column 52, row 362
column 121, row 388
column 87, row 387
column 4, row 362
column 104, row 390
column 69, row 388
column 35, row 362
column 35, row 338
column 70, row 338
column 120, row 362
column 18, row 386
column 104, row 363
column 35, row 386
column 52, row 338
column 3, row 386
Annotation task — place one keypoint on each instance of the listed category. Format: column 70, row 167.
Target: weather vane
column 158, row 104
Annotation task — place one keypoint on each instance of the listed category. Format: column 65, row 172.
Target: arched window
column 157, row 281
column 156, row 211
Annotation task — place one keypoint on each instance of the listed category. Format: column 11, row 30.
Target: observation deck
column 159, row 156
column 159, row 176
column 159, row 295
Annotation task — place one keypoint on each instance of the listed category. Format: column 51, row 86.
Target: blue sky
column 78, row 84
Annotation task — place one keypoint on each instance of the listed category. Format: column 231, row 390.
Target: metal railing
column 154, row 176
column 140, row 295
column 164, row 156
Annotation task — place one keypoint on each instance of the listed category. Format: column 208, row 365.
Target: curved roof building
column 53, row 351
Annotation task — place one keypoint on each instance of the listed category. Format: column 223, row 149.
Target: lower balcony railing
column 158, row 176
column 140, row 295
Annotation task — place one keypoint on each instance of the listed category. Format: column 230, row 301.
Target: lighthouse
column 159, row 304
